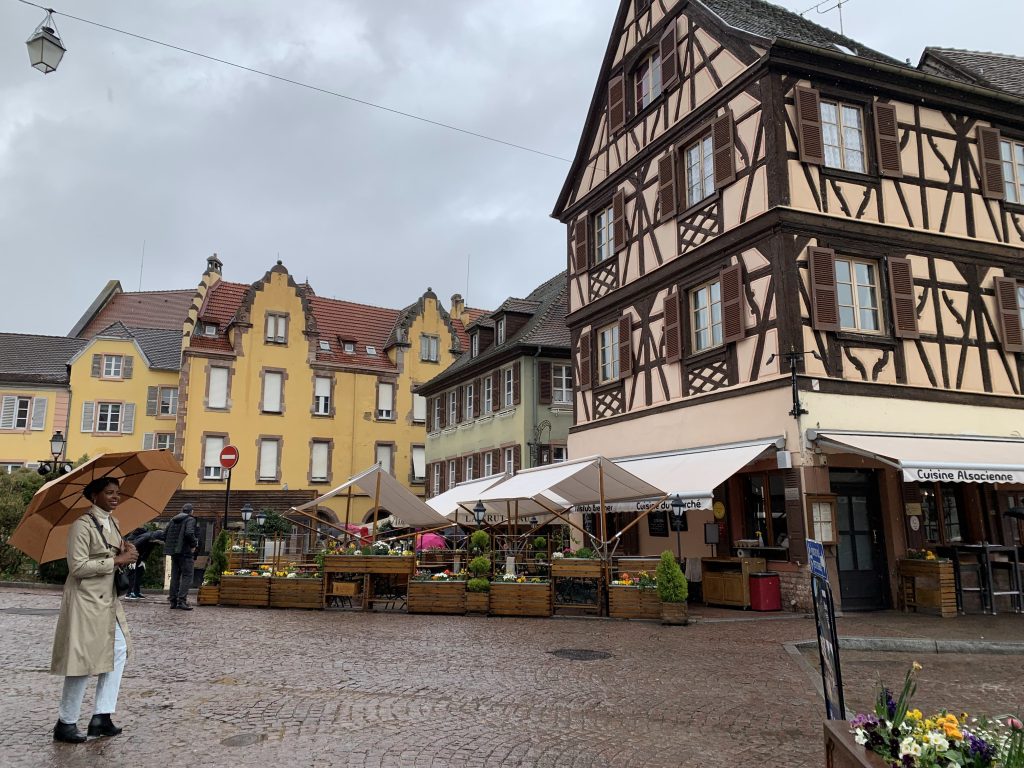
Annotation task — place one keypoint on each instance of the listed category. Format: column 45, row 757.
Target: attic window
column 844, row 49
column 325, row 345
column 209, row 329
column 371, row 351
column 500, row 335
column 350, row 347
column 474, row 345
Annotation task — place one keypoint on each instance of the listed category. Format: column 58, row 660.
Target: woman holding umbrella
column 92, row 635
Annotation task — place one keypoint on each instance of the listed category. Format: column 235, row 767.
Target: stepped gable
column 33, row 359
column 991, row 70
column 165, row 310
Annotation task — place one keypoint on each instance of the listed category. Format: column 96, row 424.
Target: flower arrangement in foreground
column 905, row 738
column 922, row 554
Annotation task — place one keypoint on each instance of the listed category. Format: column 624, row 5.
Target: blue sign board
column 816, row 559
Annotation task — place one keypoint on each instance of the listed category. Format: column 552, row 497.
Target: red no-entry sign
column 228, row 456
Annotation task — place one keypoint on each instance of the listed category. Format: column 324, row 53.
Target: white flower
column 939, row 742
column 265, row 574
column 909, row 747
column 558, row 556
column 860, row 736
column 292, row 575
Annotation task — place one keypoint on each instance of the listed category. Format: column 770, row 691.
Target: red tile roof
column 222, row 302
column 363, row 324
column 165, row 310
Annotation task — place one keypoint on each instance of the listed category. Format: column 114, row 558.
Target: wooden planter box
column 436, row 597
column 296, row 593
column 238, row 560
column 370, row 564
column 511, row 599
column 576, row 567
column 478, row 602
column 245, row 590
column 841, row 751
column 209, row 594
column 633, row 603
column 927, row 584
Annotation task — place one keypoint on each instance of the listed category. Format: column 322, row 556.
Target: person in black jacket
column 181, row 538
column 144, row 541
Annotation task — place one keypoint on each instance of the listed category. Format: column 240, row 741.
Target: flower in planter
column 558, row 555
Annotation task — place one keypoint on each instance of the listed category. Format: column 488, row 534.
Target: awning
column 453, row 502
column 694, row 474
column 407, row 509
column 934, row 458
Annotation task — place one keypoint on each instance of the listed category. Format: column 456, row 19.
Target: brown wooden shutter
column 443, row 410
column 496, row 391
column 517, row 456
column 731, row 281
column 581, row 244
column 619, row 220
column 585, row 366
column 460, row 404
column 723, row 147
column 673, row 338
column 127, row 368
column 669, row 53
column 887, row 140
column 625, row 346
column 616, row 103
column 97, row 366
column 808, row 126
column 497, row 467
column 991, row 164
column 901, row 291
column 544, row 374
column 478, row 396
column 460, row 463
column 824, row 300
column 1009, row 314
column 515, row 383
column 667, row 195
column 152, row 393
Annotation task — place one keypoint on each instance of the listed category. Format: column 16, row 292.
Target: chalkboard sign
column 828, row 649
column 657, row 523
column 590, row 523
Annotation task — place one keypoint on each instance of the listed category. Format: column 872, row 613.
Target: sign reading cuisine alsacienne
column 949, row 475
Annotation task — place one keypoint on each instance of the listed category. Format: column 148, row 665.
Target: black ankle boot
column 184, row 606
column 68, row 733
column 101, row 725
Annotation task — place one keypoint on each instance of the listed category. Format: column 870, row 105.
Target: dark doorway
column 860, row 544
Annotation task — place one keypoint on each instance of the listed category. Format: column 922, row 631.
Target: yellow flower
column 914, row 714
column 917, row 667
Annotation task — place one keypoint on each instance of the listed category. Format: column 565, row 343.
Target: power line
column 301, row 84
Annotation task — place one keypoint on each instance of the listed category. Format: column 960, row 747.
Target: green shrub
column 479, row 540
column 585, row 552
column 672, row 586
column 480, row 566
column 218, row 559
column 478, row 585
column 540, row 543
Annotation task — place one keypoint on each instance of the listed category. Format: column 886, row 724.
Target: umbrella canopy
column 148, row 480
column 430, row 541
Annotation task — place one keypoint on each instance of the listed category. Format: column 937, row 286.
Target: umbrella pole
column 376, row 504
column 605, row 569
column 348, row 508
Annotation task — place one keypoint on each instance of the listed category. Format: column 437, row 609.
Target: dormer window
column 350, row 347
column 371, row 351
column 647, row 81
column 500, row 332
column 474, row 345
column 209, row 329
column 325, row 345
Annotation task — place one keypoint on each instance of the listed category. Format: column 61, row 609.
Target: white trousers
column 107, row 687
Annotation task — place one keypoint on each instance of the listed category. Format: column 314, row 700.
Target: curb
column 924, row 645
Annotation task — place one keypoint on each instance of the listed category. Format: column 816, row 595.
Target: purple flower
column 890, row 704
column 979, row 748
column 865, row 721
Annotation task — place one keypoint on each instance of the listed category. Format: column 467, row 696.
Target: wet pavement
column 259, row 687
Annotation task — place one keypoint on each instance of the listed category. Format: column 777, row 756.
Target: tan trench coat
column 84, row 640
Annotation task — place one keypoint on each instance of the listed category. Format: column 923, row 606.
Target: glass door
column 859, row 543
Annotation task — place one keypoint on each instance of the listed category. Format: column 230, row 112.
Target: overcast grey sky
column 129, row 142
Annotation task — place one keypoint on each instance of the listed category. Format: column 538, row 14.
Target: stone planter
column 296, row 593
column 841, row 751
column 209, row 594
column 252, row 591
column 675, row 614
column 436, row 597
column 512, row 599
column 633, row 603
column 478, row 603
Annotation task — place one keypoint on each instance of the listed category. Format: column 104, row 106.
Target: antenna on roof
column 834, row 5
column 469, row 256
column 142, row 263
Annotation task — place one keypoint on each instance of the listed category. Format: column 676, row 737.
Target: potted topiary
column 540, row 546
column 479, row 542
column 477, row 594
column 672, row 590
column 209, row 592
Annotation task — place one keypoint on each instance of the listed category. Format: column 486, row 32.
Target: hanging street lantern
column 45, row 48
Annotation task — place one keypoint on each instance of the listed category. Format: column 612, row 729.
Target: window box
column 437, row 597
column 512, row 599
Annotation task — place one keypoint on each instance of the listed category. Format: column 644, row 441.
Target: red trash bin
column 765, row 592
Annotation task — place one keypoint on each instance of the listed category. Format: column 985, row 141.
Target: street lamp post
column 45, row 48
column 54, row 466
column 677, row 513
column 260, row 518
column 246, row 516
column 478, row 512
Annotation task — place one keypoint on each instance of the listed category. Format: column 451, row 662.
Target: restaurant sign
column 952, row 475
column 649, row 505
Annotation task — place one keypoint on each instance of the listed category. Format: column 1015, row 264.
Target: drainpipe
column 534, row 401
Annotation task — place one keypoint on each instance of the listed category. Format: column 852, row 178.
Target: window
column 488, row 395
column 559, row 453
column 437, row 412
column 561, row 384
column 699, row 160
column 474, row 345
column 469, row 402
column 488, row 464
column 500, row 333
column 168, row 401
column 211, row 458
column 510, row 461
column 823, row 515
column 322, row 396
column 419, row 463
column 604, row 235
column 467, row 468
column 385, row 400
column 764, row 509
column 112, row 366
column 857, row 291
column 218, row 387
column 842, row 128
column 325, row 345
column 350, row 347
column 21, row 414
column 209, row 329
column 508, row 387
column 1020, row 302
column 9, row 467
column 1012, row 155
column 451, row 474
column 706, row 316
column 647, row 81
column 319, row 461
column 14, row 412
column 942, row 516
column 429, row 348
column 272, row 384
column 371, row 350
column 277, row 328
column 383, row 456
column 608, row 353
column 419, row 409
column 164, row 441
column 453, row 408
column 270, row 449
column 108, row 417
column 435, row 485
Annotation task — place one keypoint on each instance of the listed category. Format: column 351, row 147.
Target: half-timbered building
column 780, row 239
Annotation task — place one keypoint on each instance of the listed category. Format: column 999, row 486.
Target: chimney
column 458, row 305
column 214, row 264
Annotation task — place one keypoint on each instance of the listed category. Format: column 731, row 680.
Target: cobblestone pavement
column 248, row 687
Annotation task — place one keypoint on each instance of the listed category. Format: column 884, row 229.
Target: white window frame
column 113, row 366
column 209, row 329
column 171, row 402
column 453, row 408
column 706, row 316
column 269, row 376
column 559, row 453
column 451, row 474
column 10, row 467
column 322, row 402
column 699, row 170
column 371, row 350
column 855, row 304
column 561, row 384
column 385, row 404
column 264, row 447
column 384, row 454
column 510, row 461
column 320, row 447
column 325, row 345
column 22, row 405
column 843, row 143
column 349, row 347
column 108, row 418
column 1011, row 155
column 608, row 354
column 421, row 451
column 430, row 348
column 486, row 405
column 508, row 398
column 438, row 411
column 419, row 409
column 276, row 328
column 604, row 235
column 467, row 468
column 212, row 446
column 215, row 372
column 488, row 464
column 163, row 441
column 468, row 404
column 1020, row 302
column 499, row 331
column 474, row 345
column 647, row 81
column 436, row 484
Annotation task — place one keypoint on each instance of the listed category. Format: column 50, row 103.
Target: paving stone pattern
column 250, row 687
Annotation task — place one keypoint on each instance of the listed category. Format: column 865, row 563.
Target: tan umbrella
column 148, row 480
